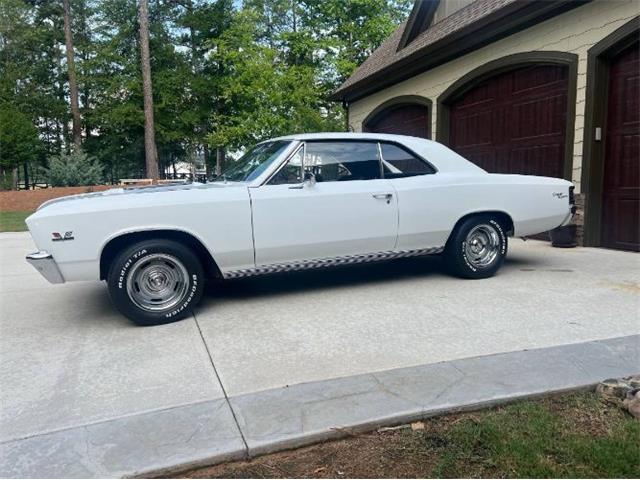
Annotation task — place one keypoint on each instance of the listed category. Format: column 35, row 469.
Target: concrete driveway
column 279, row 361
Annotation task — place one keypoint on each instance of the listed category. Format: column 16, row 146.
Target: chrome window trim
column 275, row 165
column 380, row 162
column 263, row 180
column 410, row 151
column 300, row 145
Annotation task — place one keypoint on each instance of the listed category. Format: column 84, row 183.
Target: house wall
column 574, row 32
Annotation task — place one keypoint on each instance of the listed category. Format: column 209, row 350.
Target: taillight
column 572, row 200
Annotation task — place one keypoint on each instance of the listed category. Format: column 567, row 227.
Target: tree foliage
column 19, row 142
column 74, row 169
column 225, row 73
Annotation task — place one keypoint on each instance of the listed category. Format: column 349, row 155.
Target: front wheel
column 477, row 247
column 155, row 282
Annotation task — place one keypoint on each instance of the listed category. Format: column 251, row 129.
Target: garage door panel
column 543, row 78
column 622, row 213
column 404, row 119
column 539, row 117
column 620, row 221
column 474, row 129
column 624, row 173
column 631, row 106
column 524, row 123
column 534, row 160
column 483, row 94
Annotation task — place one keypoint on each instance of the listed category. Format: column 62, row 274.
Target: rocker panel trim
column 329, row 262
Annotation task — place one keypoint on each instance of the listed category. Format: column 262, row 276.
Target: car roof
column 443, row 158
column 351, row 136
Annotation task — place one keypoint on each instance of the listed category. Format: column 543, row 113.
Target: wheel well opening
column 506, row 222
column 115, row 245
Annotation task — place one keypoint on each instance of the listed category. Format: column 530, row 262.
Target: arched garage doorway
column 406, row 115
column 611, row 173
column 514, row 115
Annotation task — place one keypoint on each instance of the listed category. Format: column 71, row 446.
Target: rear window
column 398, row 162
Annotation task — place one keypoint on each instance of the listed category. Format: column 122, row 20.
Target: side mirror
column 309, row 179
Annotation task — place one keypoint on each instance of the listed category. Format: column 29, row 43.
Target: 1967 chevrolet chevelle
column 292, row 203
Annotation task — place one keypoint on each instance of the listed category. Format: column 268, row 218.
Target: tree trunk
column 220, row 157
column 151, row 154
column 207, row 161
column 84, row 55
column 26, row 175
column 14, row 178
column 71, row 68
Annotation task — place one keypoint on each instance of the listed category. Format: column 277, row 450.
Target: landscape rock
column 623, row 392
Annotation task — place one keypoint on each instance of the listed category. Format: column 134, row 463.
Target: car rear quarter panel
column 431, row 205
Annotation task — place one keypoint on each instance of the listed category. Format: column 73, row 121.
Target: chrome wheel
column 157, row 282
column 482, row 245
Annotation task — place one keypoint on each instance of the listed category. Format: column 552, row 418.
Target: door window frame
column 407, row 150
column 303, row 147
column 295, row 151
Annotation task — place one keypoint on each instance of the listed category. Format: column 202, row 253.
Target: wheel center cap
column 157, row 281
column 476, row 245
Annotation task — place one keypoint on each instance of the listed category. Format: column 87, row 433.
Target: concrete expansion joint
column 224, row 391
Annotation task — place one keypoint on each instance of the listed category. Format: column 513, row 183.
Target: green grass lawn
column 575, row 439
column 567, row 436
column 13, row 221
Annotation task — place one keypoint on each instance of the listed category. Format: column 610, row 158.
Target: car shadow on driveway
column 344, row 277
column 326, row 279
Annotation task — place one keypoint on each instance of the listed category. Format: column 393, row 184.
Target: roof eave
column 506, row 21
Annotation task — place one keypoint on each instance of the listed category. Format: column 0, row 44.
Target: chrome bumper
column 46, row 265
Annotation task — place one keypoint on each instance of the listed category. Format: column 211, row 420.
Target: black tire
column 466, row 253
column 162, row 268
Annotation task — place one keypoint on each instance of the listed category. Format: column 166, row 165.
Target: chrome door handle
column 383, row 196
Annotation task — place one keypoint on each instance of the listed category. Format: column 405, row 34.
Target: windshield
column 254, row 162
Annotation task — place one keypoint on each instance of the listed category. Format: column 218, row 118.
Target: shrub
column 74, row 169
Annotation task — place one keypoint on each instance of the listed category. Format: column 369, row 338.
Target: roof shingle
column 387, row 54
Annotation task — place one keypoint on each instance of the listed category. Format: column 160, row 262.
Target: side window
column 398, row 163
column 342, row 161
column 291, row 172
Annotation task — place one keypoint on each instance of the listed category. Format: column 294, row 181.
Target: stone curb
column 293, row 416
column 186, row 436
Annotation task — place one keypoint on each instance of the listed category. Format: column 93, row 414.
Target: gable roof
column 470, row 28
column 419, row 20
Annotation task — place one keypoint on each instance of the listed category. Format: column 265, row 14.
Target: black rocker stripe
column 328, row 262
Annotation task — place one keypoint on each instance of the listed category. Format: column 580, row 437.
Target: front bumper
column 46, row 265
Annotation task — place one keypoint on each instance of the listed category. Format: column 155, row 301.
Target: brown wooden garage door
column 514, row 122
column 621, row 184
column 402, row 120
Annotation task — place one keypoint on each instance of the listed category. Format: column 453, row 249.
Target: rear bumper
column 44, row 263
column 567, row 220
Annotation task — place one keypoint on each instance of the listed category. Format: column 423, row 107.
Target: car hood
column 139, row 190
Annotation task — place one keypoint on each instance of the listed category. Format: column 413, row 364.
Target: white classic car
column 292, row 203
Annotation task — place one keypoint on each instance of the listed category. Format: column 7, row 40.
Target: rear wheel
column 155, row 282
column 477, row 247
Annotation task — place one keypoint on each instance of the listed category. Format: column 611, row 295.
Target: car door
column 343, row 207
column 426, row 205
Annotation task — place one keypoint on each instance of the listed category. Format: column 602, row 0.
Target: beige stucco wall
column 575, row 32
